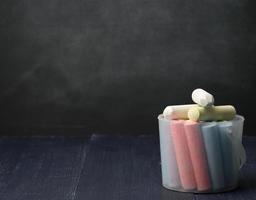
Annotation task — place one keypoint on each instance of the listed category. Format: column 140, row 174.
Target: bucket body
column 201, row 157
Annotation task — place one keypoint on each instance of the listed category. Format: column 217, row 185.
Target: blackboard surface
column 112, row 66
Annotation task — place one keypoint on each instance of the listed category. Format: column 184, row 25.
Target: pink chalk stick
column 197, row 155
column 182, row 155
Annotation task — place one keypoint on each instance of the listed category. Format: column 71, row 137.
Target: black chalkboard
column 112, row 66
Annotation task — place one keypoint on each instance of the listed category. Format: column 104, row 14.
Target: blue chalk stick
column 170, row 173
column 228, row 156
column 212, row 143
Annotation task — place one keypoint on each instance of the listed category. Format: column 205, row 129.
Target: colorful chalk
column 182, row 155
column 201, row 145
column 212, row 143
column 213, row 113
column 198, row 155
column 170, row 174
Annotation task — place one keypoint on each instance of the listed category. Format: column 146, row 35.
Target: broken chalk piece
column 202, row 98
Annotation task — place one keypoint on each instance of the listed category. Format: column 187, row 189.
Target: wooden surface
column 98, row 167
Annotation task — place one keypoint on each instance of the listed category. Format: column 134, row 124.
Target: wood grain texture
column 40, row 168
column 99, row 167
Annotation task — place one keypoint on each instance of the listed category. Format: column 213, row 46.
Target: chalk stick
column 211, row 138
column 202, row 98
column 229, row 160
column 198, row 155
column 182, row 155
column 170, row 174
column 237, row 132
column 177, row 111
column 213, row 113
column 237, row 125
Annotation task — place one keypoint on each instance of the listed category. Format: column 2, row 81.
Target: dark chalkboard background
column 77, row 66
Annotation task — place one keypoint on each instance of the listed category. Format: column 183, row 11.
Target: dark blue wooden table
column 97, row 168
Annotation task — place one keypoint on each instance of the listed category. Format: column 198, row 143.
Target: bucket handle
column 239, row 150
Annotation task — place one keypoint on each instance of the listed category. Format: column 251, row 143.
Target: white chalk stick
column 177, row 111
column 202, row 98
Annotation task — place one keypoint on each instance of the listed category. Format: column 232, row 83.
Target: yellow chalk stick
column 214, row 113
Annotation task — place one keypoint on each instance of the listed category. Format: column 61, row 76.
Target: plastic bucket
column 203, row 157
